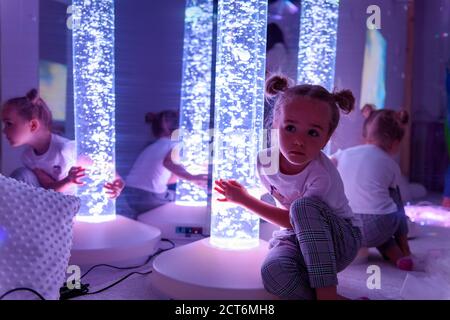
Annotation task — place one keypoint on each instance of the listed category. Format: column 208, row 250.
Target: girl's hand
column 114, row 189
column 75, row 174
column 232, row 191
column 201, row 180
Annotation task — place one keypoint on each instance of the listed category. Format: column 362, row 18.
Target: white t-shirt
column 319, row 179
column 148, row 172
column 58, row 159
column 368, row 172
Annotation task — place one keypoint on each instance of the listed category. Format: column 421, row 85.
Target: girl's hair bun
column 276, row 84
column 32, row 95
column 345, row 100
column 367, row 110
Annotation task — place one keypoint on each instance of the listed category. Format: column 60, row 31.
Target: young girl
column 155, row 167
column 320, row 237
column 49, row 159
column 371, row 177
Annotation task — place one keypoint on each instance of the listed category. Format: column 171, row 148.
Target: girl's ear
column 34, row 125
column 367, row 110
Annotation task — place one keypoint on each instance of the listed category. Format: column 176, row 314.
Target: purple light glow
column 429, row 215
column 2, row 236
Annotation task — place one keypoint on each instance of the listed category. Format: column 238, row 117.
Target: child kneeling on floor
column 371, row 177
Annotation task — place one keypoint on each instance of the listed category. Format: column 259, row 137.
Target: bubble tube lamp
column 99, row 236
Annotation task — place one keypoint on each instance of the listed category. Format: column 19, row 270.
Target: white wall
column 19, row 58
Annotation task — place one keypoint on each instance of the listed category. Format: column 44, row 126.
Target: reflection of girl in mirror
column 155, row 167
column 276, row 49
column 49, row 159
column 276, row 57
column 371, row 180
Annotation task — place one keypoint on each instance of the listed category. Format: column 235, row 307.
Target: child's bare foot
column 398, row 258
column 446, row 202
column 405, row 264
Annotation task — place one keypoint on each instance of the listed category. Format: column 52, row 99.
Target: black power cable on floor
column 119, row 281
column 132, row 267
column 22, row 289
column 119, row 268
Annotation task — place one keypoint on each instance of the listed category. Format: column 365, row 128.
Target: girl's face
column 17, row 130
column 304, row 125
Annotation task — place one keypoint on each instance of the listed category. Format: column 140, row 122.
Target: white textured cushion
column 35, row 238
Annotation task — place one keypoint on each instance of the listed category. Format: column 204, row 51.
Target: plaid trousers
column 379, row 230
column 320, row 245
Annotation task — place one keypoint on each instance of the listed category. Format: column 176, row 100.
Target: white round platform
column 171, row 219
column 118, row 240
column 266, row 230
column 200, row 271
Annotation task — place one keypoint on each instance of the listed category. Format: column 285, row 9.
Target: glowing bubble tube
column 93, row 73
column 317, row 42
column 195, row 98
column 238, row 119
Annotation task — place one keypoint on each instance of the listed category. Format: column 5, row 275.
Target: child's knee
column 306, row 202
column 282, row 278
column 278, row 272
column 305, row 209
column 272, row 275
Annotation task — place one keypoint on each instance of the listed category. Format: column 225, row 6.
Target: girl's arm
column 236, row 193
column 173, row 179
column 47, row 182
column 61, row 185
column 75, row 174
column 181, row 172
